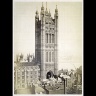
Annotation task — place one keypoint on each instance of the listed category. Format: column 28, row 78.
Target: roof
column 27, row 64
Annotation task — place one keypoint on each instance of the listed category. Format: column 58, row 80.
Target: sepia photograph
column 48, row 47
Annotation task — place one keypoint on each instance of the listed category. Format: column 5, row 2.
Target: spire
column 56, row 10
column 49, row 12
column 46, row 5
column 37, row 14
column 42, row 4
column 36, row 11
column 42, row 8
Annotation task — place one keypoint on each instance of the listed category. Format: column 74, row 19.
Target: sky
column 70, row 35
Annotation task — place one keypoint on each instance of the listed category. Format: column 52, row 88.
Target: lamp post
column 63, row 78
column 64, row 84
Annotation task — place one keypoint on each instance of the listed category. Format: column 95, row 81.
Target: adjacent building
column 70, row 81
column 25, row 74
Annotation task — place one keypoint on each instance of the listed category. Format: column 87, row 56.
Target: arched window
column 52, row 56
column 46, row 56
column 49, row 56
column 53, row 38
column 47, row 38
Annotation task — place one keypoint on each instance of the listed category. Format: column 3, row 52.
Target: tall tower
column 46, row 37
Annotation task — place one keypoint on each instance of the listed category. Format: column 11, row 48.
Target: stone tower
column 46, row 37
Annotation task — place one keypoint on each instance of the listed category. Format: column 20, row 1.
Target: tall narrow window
column 53, row 38
column 52, row 56
column 23, row 73
column 46, row 38
column 49, row 56
column 46, row 56
column 49, row 38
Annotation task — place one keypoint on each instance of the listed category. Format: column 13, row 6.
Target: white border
column 82, row 45
column 13, row 49
column 48, row 0
column 82, row 52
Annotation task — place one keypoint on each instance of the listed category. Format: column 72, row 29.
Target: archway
column 49, row 74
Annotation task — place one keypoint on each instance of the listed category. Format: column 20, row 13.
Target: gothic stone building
column 46, row 37
column 25, row 72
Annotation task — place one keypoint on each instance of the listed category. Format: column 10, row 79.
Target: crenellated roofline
column 45, row 12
